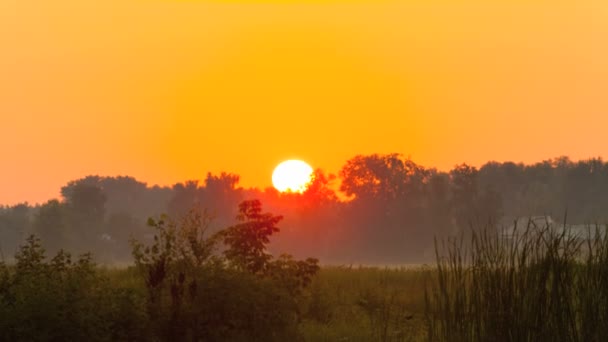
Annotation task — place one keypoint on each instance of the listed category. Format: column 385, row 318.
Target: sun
column 292, row 175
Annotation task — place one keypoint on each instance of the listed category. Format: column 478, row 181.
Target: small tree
column 172, row 266
column 242, row 293
column 247, row 240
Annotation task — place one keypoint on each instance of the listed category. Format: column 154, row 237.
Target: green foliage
column 247, row 241
column 187, row 289
column 60, row 303
column 238, row 306
column 172, row 266
column 292, row 275
column 365, row 304
column 61, row 300
column 246, row 249
column 539, row 284
column 241, row 294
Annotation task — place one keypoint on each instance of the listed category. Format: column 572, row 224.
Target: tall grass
column 538, row 284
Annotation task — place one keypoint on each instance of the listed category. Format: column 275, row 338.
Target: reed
column 537, row 284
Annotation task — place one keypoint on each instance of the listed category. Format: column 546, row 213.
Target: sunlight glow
column 292, row 175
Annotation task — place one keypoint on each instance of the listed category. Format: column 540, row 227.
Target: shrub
column 241, row 294
column 60, row 299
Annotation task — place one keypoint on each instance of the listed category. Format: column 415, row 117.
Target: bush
column 241, row 294
column 61, row 300
column 189, row 285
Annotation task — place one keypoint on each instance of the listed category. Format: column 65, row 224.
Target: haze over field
column 168, row 90
column 304, row 170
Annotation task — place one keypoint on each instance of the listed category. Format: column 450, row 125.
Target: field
column 351, row 303
column 366, row 304
column 540, row 284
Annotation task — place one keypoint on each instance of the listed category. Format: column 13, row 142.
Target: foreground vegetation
column 189, row 284
column 84, row 302
column 540, row 283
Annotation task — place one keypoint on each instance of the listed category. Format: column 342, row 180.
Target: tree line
column 379, row 208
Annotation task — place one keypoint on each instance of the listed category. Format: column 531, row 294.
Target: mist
column 380, row 209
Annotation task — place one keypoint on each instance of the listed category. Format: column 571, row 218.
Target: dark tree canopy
column 379, row 208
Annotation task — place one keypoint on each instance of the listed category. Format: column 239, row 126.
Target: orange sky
column 168, row 90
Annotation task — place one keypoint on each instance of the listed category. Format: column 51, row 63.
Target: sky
column 167, row 91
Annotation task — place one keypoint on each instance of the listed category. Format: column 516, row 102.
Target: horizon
column 240, row 184
column 303, row 170
column 174, row 89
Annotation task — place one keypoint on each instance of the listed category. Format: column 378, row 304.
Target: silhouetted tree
column 247, row 240
column 86, row 212
column 51, row 225
column 374, row 176
column 219, row 194
column 15, row 223
column 439, row 205
column 473, row 203
column 387, row 207
column 185, row 196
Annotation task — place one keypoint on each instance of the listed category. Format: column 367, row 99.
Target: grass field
column 539, row 285
column 348, row 303
column 366, row 304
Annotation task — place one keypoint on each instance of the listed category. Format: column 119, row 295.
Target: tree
column 125, row 195
column 439, row 206
column 50, row 223
column 374, row 176
column 87, row 202
column 388, row 205
column 219, row 194
column 185, row 197
column 195, row 293
column 470, row 202
column 15, row 223
column 319, row 190
column 86, row 211
column 247, row 240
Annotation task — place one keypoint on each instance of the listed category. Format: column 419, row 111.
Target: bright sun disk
column 292, row 175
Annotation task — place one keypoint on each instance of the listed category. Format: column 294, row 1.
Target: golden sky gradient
column 168, row 90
